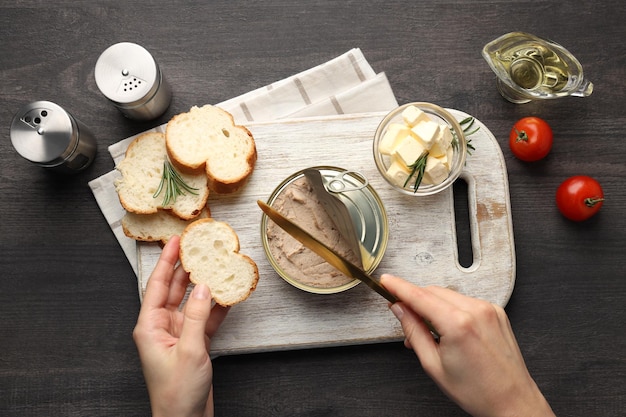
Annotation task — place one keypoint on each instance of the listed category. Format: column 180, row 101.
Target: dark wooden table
column 68, row 296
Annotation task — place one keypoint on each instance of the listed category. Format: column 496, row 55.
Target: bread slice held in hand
column 157, row 227
column 142, row 170
column 206, row 138
column 209, row 251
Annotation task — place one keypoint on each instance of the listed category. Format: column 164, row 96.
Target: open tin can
column 298, row 265
column 47, row 135
column 128, row 75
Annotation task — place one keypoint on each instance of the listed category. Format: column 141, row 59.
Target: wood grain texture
column 68, row 298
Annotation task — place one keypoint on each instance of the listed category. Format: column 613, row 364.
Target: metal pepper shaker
column 47, row 135
column 128, row 75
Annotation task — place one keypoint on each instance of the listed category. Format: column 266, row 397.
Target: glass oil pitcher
column 531, row 68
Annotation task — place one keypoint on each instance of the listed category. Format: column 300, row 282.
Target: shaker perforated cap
column 43, row 132
column 126, row 73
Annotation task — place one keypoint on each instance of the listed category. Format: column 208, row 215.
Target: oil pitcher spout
column 585, row 90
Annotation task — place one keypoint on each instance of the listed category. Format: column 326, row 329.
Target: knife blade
column 330, row 256
column 333, row 258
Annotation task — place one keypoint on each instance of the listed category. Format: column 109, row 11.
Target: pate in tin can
column 298, row 199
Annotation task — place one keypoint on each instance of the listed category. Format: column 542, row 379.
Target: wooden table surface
column 68, row 296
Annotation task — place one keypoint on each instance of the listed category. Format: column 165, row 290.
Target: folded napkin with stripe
column 344, row 85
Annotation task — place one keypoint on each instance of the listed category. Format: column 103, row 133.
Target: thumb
column 197, row 312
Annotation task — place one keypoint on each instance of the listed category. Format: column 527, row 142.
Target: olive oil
column 532, row 68
column 535, row 67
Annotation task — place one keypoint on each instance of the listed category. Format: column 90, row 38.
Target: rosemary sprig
column 466, row 125
column 173, row 184
column 417, row 168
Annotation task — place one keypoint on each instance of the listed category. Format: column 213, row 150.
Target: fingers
column 420, row 300
column 454, row 297
column 218, row 314
column 482, row 311
column 196, row 316
column 417, row 334
column 178, row 288
column 449, row 311
column 158, row 288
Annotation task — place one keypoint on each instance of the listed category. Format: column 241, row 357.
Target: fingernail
column 397, row 310
column 200, row 292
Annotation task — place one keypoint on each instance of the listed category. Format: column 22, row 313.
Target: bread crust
column 156, row 227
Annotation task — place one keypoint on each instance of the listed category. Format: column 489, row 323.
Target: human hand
column 477, row 362
column 173, row 345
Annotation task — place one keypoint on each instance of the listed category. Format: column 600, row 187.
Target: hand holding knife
column 333, row 258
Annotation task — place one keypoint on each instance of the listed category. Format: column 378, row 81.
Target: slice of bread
column 209, row 251
column 207, row 138
column 142, row 170
column 157, row 227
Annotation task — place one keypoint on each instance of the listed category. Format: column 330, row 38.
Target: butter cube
column 442, row 141
column 413, row 115
column 398, row 172
column 449, row 157
column 445, row 135
column 426, row 132
column 435, row 172
column 408, row 150
column 437, row 150
column 392, row 137
column 444, row 160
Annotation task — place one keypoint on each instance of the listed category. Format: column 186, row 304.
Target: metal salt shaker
column 130, row 78
column 47, row 135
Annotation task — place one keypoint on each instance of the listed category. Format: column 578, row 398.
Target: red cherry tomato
column 530, row 139
column 579, row 197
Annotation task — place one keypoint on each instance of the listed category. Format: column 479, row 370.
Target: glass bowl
column 395, row 170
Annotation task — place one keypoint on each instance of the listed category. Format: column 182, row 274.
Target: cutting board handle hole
column 462, row 223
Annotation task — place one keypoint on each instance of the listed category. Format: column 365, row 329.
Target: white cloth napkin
column 344, row 85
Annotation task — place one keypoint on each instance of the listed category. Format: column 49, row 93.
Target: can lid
column 125, row 72
column 364, row 208
column 42, row 132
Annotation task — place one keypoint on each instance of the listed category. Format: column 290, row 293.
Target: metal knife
column 330, row 256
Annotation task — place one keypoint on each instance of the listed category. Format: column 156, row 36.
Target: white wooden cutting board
column 422, row 239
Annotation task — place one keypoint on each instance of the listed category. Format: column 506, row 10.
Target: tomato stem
column 592, row 201
column 521, row 135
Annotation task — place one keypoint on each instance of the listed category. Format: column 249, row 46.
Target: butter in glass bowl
column 419, row 149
